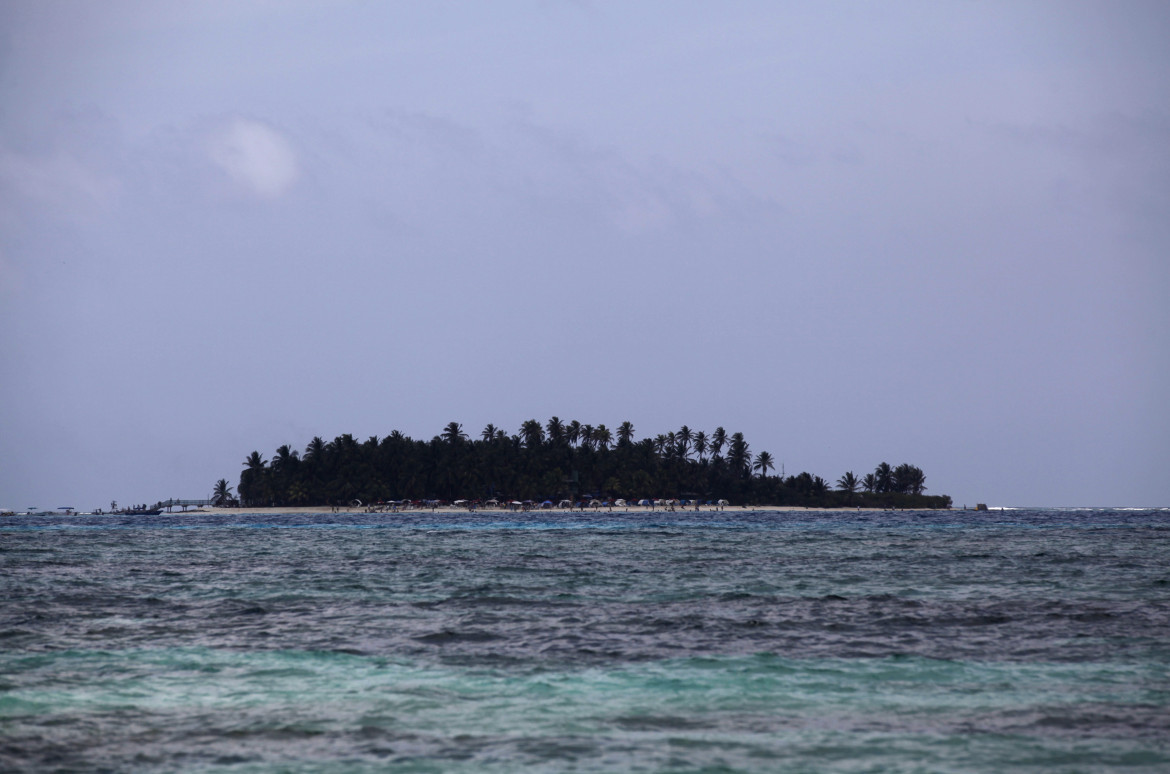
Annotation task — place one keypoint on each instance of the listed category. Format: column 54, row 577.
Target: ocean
column 734, row 641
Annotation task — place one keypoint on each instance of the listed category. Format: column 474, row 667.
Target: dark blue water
column 678, row 642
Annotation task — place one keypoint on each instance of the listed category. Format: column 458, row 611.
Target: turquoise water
column 862, row 642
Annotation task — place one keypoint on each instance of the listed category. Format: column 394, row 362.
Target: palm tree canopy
column 222, row 494
column 738, row 454
column 700, row 443
column 532, row 433
column 718, row 440
column 285, row 458
column 530, row 466
column 315, row 450
column 556, row 430
column 453, row 433
column 764, row 463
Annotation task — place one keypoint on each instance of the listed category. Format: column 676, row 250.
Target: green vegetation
column 558, row 461
column 221, row 496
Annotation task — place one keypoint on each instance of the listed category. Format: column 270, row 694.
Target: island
column 557, row 462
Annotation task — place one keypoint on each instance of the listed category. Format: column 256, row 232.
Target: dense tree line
column 556, row 460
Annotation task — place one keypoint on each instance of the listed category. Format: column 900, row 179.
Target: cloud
column 256, row 157
column 57, row 181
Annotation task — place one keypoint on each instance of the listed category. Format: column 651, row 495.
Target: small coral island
column 555, row 462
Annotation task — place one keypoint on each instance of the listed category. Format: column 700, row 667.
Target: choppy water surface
column 735, row 641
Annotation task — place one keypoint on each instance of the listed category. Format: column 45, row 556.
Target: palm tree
column 908, row 479
column 869, row 482
column 489, row 432
column 573, row 432
column 764, row 463
column 625, row 433
column 700, row 444
column 347, row 449
column 285, row 459
column 453, row 433
column 556, row 430
column 883, row 477
column 819, row 485
column 683, row 440
column 252, row 485
column 255, row 461
column 602, row 437
column 283, row 471
column 587, row 438
column 532, row 433
column 738, row 455
column 718, row 440
column 848, row 483
column 315, row 451
column 221, row 497
column 660, row 444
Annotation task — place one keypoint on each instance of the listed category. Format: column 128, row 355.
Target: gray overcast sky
column 925, row 232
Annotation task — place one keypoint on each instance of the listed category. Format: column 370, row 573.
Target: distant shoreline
column 249, row 511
